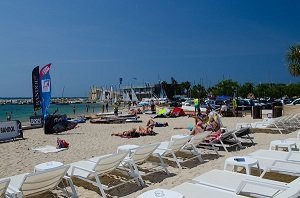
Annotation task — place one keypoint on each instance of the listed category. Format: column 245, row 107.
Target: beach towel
column 48, row 149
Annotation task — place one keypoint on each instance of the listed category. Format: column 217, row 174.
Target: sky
column 96, row 42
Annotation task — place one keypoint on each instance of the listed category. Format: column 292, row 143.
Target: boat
column 62, row 101
column 133, row 96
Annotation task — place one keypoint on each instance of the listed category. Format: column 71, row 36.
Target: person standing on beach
column 234, row 107
column 197, row 107
column 103, row 108
column 152, row 106
column 106, row 107
column 8, row 116
column 74, row 109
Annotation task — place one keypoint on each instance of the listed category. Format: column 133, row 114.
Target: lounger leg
column 134, row 174
column 137, row 173
column 197, row 153
column 224, row 146
column 74, row 193
column 99, row 185
column 163, row 164
column 177, row 162
column 250, row 138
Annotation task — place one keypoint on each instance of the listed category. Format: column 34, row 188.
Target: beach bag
column 62, row 143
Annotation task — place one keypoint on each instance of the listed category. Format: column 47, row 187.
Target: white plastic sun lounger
column 196, row 190
column 29, row 184
column 276, row 155
column 96, row 167
column 229, row 181
column 278, row 161
column 171, row 147
column 139, row 156
column 225, row 184
column 197, row 140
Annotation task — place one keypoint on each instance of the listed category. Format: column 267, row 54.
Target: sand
column 88, row 140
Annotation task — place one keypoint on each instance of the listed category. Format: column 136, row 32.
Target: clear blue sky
column 95, row 42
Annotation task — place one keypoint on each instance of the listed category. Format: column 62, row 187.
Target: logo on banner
column 46, row 85
column 45, row 70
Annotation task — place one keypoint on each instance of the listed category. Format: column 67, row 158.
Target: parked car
column 176, row 101
column 295, row 102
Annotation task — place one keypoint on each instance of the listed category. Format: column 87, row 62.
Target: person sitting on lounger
column 191, row 126
column 198, row 128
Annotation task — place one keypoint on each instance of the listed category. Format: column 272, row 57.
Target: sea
column 22, row 112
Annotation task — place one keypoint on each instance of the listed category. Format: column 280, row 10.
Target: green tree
column 174, row 84
column 225, row 87
column 245, row 89
column 198, row 91
column 185, row 87
column 293, row 59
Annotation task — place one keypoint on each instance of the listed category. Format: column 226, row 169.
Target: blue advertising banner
column 46, row 89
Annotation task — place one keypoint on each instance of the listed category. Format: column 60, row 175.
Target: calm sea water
column 23, row 112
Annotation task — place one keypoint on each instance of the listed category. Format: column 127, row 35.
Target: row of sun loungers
column 92, row 169
column 127, row 162
column 224, row 183
column 280, row 124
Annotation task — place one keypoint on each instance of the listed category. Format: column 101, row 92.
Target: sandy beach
column 89, row 140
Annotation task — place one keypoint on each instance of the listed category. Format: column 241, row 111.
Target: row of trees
column 230, row 87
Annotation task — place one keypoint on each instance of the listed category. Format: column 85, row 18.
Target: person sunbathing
column 152, row 123
column 146, row 131
column 135, row 111
column 134, row 133
column 130, row 133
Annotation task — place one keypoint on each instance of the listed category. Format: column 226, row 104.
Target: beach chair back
column 109, row 163
column 227, row 134
column 242, row 132
column 143, row 152
column 177, row 144
column 42, row 181
column 199, row 138
column 3, row 186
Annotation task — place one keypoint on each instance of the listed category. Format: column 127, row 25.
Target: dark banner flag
column 36, row 89
column 46, row 88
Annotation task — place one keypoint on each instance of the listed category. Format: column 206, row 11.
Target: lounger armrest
column 286, row 162
column 259, row 183
column 81, row 168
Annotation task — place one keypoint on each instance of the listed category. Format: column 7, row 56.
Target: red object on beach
column 177, row 111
